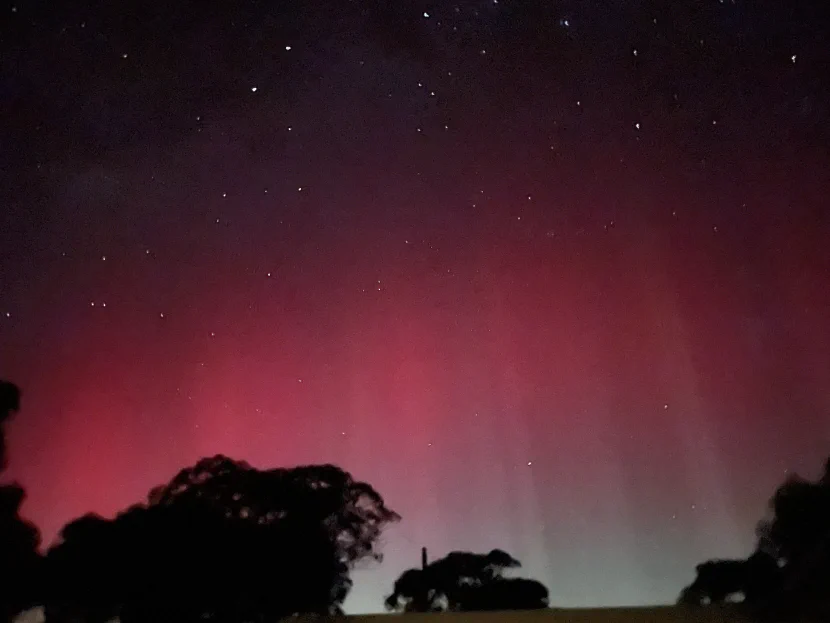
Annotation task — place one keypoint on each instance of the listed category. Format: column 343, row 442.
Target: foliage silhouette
column 788, row 575
column 464, row 581
column 9, row 404
column 9, row 399
column 19, row 539
column 19, row 558
column 719, row 581
column 221, row 542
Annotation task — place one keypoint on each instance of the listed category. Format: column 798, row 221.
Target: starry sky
column 552, row 276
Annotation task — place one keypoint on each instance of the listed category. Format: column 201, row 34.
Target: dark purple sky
column 552, row 276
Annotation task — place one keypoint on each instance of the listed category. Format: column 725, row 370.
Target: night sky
column 552, row 276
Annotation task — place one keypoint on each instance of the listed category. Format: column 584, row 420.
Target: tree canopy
column 19, row 539
column 789, row 571
column 466, row 581
column 9, row 404
column 221, row 542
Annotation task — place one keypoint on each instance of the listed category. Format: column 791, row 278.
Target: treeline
column 227, row 543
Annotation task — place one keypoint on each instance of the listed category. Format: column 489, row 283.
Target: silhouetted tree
column 19, row 539
column 9, row 404
column 720, row 581
column 788, row 575
column 468, row 582
column 86, row 573
column 9, row 399
column 798, row 537
column 221, row 542
column 506, row 594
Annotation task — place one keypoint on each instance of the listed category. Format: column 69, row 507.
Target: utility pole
column 423, row 558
